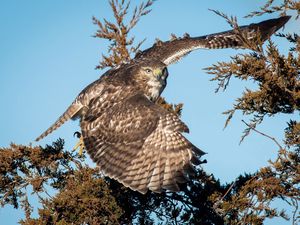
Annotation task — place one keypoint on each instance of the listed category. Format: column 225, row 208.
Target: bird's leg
column 80, row 143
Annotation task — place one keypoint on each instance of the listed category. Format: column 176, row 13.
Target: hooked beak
column 159, row 73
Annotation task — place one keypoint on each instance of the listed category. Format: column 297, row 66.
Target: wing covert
column 140, row 144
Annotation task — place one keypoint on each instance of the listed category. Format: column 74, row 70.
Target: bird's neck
column 154, row 88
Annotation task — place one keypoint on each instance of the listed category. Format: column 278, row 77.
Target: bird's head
column 152, row 75
column 154, row 71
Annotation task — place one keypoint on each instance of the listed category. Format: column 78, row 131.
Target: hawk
column 127, row 134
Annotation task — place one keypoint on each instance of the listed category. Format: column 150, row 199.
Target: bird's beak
column 158, row 72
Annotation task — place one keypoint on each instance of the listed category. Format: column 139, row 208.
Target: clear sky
column 48, row 55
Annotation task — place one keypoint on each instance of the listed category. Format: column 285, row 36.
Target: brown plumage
column 171, row 51
column 130, row 137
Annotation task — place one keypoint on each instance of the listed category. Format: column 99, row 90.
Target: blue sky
column 48, row 55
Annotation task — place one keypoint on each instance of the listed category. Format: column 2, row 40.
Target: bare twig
column 228, row 190
column 263, row 134
column 296, row 205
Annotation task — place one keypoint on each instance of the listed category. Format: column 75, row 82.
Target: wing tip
column 285, row 18
column 281, row 21
column 38, row 139
column 41, row 136
column 269, row 27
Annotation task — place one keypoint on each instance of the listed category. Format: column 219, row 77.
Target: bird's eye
column 148, row 70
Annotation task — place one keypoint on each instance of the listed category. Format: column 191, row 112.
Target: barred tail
column 71, row 112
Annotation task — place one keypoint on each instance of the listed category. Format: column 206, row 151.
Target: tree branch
column 263, row 134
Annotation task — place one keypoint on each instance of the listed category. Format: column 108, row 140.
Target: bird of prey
column 128, row 135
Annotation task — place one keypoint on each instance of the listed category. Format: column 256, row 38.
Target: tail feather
column 71, row 112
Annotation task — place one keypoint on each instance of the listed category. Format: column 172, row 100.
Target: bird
column 130, row 137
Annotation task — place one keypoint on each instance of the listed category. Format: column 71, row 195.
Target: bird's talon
column 79, row 145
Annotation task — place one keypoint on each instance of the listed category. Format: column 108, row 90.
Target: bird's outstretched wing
column 140, row 144
column 171, row 51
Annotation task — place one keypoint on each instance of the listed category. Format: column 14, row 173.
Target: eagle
column 127, row 134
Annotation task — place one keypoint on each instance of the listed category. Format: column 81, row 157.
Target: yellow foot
column 80, row 144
